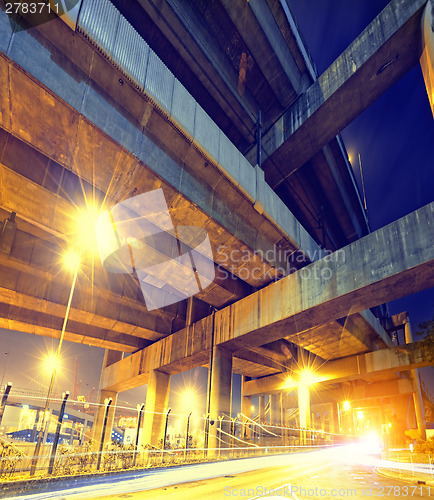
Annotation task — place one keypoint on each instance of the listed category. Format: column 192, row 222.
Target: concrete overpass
column 87, row 119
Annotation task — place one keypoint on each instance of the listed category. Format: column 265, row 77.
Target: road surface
column 341, row 473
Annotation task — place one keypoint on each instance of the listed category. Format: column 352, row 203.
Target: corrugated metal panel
column 103, row 25
column 159, row 82
column 131, row 53
column 98, row 22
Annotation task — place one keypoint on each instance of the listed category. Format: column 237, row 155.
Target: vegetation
column 426, row 329
column 426, row 447
column 10, row 457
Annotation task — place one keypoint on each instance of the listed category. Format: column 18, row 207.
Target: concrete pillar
column 246, row 409
column 261, row 409
column 303, row 411
column 333, row 417
column 156, row 406
column 261, row 419
column 220, row 396
column 110, row 357
column 427, row 57
column 275, row 410
column 417, row 395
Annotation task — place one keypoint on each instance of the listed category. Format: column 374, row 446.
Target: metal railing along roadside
column 69, row 448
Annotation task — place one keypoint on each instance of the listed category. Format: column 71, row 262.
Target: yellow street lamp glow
column 360, row 415
column 289, row 383
column 189, row 398
column 252, row 408
column 83, row 231
column 71, row 260
column 346, row 405
column 51, row 362
column 307, row 378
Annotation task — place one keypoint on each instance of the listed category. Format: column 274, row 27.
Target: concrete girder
column 260, row 357
column 359, row 276
column 371, row 270
column 120, row 174
column 32, row 278
column 387, row 49
column 369, row 365
column 427, row 57
column 354, row 334
column 255, row 24
column 188, row 43
column 57, row 216
column 220, row 192
column 24, row 320
column 358, row 392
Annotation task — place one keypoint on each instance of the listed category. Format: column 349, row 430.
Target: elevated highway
column 94, row 115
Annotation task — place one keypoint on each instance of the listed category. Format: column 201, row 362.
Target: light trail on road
column 289, row 474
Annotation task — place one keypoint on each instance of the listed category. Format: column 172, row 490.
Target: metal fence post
column 4, row 399
column 107, row 402
column 139, row 423
column 186, row 435
column 165, row 431
column 57, row 435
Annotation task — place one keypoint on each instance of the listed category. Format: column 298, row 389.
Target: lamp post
column 53, row 373
column 186, row 434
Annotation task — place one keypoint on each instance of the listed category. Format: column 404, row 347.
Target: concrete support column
column 275, row 410
column 261, row 409
column 156, row 406
column 417, row 395
column 427, row 57
column 246, row 409
column 220, row 396
column 110, row 357
column 304, row 412
column 332, row 420
column 261, row 419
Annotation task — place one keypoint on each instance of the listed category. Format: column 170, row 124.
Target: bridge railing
column 188, row 438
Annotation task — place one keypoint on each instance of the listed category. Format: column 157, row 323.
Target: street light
column 71, row 259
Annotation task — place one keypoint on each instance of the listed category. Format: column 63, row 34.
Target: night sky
column 394, row 138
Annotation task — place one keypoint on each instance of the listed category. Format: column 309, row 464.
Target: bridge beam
column 369, row 271
column 360, row 392
column 385, row 51
column 362, row 366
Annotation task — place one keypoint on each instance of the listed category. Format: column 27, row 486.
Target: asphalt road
column 340, row 473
